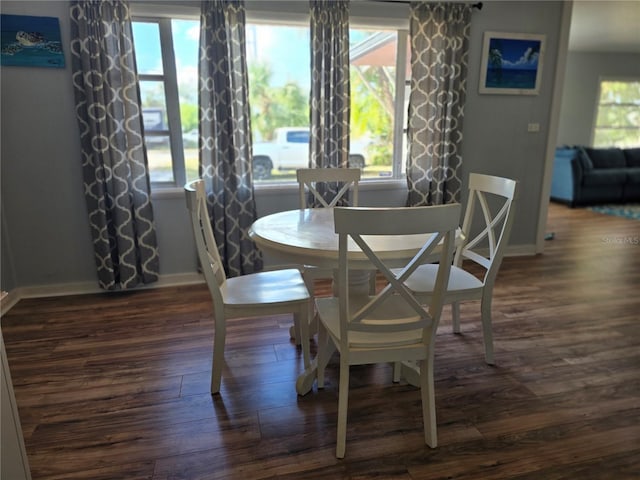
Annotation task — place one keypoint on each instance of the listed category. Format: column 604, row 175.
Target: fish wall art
column 28, row 41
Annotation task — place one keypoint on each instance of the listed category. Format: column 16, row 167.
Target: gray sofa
column 588, row 176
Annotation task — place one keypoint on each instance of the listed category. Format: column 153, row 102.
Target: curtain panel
column 439, row 56
column 114, row 161
column 330, row 98
column 225, row 127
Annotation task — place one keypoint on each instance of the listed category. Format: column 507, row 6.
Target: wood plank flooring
column 115, row 386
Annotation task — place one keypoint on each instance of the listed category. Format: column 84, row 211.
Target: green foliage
column 618, row 118
column 372, row 107
column 273, row 107
column 372, row 110
column 620, row 92
column 189, row 116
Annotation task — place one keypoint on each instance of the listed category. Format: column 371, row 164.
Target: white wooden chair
column 392, row 326
column 257, row 294
column 347, row 180
column 496, row 197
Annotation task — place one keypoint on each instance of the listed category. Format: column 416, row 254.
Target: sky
column 517, row 53
column 286, row 49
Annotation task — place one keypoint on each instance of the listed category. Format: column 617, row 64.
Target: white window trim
column 594, row 122
column 363, row 14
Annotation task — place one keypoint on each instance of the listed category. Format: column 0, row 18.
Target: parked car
column 290, row 150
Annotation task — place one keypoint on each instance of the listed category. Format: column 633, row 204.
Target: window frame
column 169, row 79
column 601, row 80
column 368, row 16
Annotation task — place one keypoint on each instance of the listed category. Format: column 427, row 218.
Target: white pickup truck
column 290, row 150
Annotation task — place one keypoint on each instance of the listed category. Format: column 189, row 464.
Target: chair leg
column 322, row 361
column 218, row 356
column 455, row 316
column 294, row 332
column 487, row 331
column 301, row 322
column 372, row 282
column 397, row 371
column 428, row 403
column 343, row 400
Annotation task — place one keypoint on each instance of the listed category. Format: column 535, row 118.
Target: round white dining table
column 307, row 237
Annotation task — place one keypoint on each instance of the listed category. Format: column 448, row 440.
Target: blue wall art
column 511, row 63
column 28, row 41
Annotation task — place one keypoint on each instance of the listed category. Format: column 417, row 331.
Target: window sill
column 166, row 192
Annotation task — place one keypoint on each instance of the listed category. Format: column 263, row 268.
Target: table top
column 308, row 237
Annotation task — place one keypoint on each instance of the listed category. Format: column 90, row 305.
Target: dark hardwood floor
column 115, row 386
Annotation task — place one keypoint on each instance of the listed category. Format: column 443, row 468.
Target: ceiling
column 605, row 26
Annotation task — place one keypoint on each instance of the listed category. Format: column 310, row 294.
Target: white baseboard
column 9, row 299
column 520, row 250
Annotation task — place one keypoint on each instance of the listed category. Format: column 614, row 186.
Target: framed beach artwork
column 27, row 41
column 511, row 63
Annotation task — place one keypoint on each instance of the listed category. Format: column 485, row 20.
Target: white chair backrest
column 205, row 241
column 496, row 197
column 361, row 225
column 345, row 179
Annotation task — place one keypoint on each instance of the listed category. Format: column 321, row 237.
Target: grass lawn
column 160, row 166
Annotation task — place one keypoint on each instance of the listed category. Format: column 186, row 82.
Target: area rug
column 630, row 210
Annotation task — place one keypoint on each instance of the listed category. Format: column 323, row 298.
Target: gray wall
column 580, row 95
column 45, row 233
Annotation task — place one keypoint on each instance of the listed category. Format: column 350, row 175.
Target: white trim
column 361, row 12
column 365, row 185
column 528, row 250
column 594, row 115
column 83, row 288
column 11, row 429
column 266, row 189
column 554, row 122
column 163, row 9
column 400, row 104
column 9, row 299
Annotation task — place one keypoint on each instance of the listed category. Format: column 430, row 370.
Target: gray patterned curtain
column 114, row 160
column 330, row 100
column 439, row 45
column 225, row 156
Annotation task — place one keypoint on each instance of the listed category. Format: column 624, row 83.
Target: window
column 617, row 121
column 279, row 85
column 167, row 71
column 298, row 137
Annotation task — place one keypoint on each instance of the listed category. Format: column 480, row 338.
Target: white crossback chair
column 496, row 199
column 391, row 326
column 257, row 294
column 346, row 181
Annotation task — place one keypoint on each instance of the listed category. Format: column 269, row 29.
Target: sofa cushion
column 584, row 159
column 632, row 156
column 605, row 157
column 633, row 175
column 605, row 176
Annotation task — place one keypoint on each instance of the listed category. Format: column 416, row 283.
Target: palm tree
column 495, row 63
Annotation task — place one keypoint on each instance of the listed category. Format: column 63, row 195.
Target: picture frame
column 511, row 63
column 28, row 41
